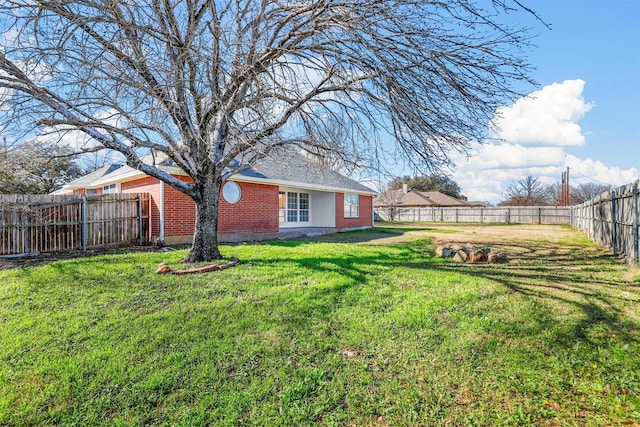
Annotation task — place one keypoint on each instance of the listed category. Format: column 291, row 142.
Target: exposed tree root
column 165, row 269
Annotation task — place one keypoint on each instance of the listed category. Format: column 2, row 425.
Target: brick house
column 275, row 198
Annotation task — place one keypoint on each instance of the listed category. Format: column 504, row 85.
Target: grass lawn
column 364, row 328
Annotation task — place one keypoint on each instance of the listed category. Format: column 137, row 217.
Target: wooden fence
column 487, row 215
column 611, row 219
column 43, row 223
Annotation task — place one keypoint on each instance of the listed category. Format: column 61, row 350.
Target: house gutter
column 162, row 211
column 373, row 214
column 301, row 185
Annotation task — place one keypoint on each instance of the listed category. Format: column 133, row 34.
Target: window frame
column 349, row 206
column 294, row 207
column 111, row 188
column 231, row 192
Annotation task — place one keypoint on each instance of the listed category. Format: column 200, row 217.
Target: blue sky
column 585, row 112
column 598, row 42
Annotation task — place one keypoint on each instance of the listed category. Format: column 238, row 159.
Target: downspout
column 162, row 211
column 373, row 214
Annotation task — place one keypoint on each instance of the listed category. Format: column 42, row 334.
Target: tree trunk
column 205, row 237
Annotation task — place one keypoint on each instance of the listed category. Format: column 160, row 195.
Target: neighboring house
column 406, row 198
column 275, row 198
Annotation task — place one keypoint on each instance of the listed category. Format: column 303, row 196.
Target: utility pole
column 564, row 197
column 562, row 191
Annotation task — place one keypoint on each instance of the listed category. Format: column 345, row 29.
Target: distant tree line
column 35, row 167
column 441, row 183
column 530, row 191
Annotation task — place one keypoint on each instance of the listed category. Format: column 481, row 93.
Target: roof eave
column 301, row 185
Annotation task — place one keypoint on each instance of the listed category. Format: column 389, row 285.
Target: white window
column 293, row 207
column 304, row 207
column 282, row 206
column 111, row 188
column 351, row 206
column 91, row 191
column 231, row 192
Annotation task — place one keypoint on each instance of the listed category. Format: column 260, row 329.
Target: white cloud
column 545, row 117
column 500, row 156
column 535, row 132
column 589, row 170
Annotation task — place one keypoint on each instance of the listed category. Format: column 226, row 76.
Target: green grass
column 323, row 333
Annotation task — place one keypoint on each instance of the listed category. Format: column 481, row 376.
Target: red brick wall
column 147, row 185
column 179, row 211
column 364, row 220
column 257, row 210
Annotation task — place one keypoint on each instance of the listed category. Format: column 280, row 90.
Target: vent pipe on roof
column 405, row 188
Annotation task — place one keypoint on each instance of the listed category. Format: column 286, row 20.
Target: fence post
column 139, row 220
column 26, row 247
column 571, row 213
column 83, row 224
column 636, row 257
column 614, row 238
column 592, row 231
column 601, row 214
column 539, row 215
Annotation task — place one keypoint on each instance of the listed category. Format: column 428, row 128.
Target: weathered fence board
column 43, row 223
column 486, row 215
column 611, row 219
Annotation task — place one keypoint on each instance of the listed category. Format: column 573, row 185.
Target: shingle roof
column 289, row 168
column 417, row 198
column 296, row 169
column 88, row 179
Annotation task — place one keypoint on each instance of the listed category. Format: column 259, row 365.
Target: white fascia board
column 65, row 190
column 300, row 185
column 130, row 176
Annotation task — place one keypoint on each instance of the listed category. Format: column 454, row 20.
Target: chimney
column 405, row 188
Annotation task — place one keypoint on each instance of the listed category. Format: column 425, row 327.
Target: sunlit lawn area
column 364, row 328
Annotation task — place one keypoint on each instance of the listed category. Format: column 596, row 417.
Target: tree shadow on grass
column 565, row 278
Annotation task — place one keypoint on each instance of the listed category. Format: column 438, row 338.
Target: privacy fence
column 488, row 215
column 611, row 219
column 43, row 223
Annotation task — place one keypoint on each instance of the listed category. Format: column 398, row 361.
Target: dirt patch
column 478, row 234
column 514, row 240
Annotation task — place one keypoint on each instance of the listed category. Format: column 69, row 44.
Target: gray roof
column 296, row 169
column 289, row 167
column 88, row 179
column 417, row 198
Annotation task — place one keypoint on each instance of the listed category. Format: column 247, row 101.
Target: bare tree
column 528, row 191
column 588, row 191
column 216, row 85
column 388, row 203
column 579, row 194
